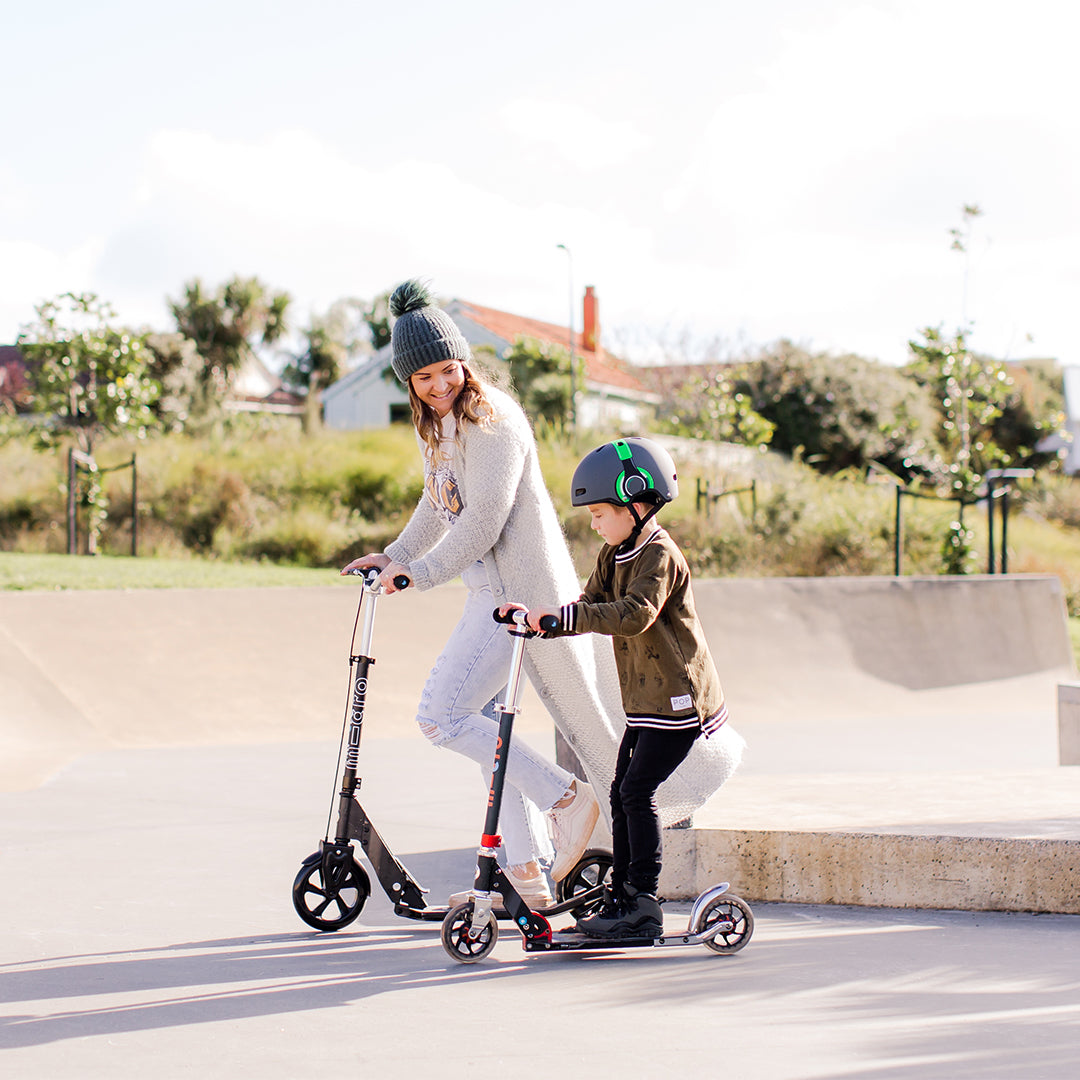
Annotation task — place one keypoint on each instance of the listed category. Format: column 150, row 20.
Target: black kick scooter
column 331, row 887
column 718, row 920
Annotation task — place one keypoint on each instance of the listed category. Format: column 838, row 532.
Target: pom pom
column 410, row 296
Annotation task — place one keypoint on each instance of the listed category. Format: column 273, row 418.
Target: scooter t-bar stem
column 505, row 713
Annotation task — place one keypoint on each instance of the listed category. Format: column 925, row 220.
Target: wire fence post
column 72, row 523
column 134, row 509
column 77, row 461
column 898, row 532
column 998, row 482
column 1005, row 530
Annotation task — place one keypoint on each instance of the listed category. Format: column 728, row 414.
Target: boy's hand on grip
column 543, row 620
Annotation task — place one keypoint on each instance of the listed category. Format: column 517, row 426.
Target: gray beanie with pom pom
column 423, row 333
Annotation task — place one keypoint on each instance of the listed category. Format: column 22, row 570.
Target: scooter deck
column 573, row 940
column 431, row 914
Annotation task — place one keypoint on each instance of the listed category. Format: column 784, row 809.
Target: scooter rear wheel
column 330, row 905
column 730, row 910
column 455, row 935
column 591, row 870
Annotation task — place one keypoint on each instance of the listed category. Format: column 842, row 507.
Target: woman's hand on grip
column 376, row 559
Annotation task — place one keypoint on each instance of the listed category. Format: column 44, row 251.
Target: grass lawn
column 54, row 572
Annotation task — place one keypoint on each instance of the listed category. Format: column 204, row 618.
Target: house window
column 401, row 414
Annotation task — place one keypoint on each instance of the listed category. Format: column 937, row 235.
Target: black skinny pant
column 647, row 757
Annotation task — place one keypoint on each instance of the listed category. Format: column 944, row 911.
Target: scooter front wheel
column 329, row 901
column 456, row 939
column 737, row 920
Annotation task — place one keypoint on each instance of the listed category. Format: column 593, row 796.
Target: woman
column 486, row 516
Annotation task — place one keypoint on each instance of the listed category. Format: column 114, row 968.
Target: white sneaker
column 571, row 827
column 533, row 891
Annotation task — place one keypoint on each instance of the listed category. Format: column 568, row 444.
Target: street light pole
column 573, row 374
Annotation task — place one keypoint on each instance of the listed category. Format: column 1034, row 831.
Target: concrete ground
column 154, row 813
column 148, row 930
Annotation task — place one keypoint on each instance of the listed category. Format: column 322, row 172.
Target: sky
column 724, row 174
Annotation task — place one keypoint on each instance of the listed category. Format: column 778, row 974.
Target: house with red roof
column 13, row 389
column 609, row 394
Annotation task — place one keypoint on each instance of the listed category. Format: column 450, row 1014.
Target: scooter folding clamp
column 483, row 903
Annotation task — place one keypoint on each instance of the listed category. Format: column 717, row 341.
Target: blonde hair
column 472, row 405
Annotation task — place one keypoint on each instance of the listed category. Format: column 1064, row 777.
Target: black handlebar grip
column 507, row 618
column 401, row 582
column 549, row 622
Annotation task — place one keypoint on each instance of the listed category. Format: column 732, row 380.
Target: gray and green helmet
column 623, row 472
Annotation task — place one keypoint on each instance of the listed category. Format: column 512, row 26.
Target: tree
column 961, row 242
column 970, row 393
column 226, row 326
column 840, row 412
column 88, row 377
column 709, row 405
column 975, row 396
column 540, row 373
column 1033, row 410
column 175, row 364
column 377, row 317
column 331, row 340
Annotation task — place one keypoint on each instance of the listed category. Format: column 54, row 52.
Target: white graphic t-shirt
column 440, row 483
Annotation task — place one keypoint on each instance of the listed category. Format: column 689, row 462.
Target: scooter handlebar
column 518, row 616
column 370, row 574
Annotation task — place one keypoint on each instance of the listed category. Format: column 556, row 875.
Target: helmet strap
column 640, row 521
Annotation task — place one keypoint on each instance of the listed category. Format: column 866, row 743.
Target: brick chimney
column 590, row 332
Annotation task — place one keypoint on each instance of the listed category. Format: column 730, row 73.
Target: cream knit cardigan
column 509, row 522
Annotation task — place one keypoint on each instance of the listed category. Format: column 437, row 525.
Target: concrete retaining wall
column 873, row 869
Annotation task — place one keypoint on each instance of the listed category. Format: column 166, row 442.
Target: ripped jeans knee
column 431, row 731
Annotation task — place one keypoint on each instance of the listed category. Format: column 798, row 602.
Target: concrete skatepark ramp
column 836, row 683
column 884, row 647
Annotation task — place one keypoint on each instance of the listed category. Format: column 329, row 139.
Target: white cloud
column 573, row 133
column 802, row 186
column 303, row 216
column 31, row 273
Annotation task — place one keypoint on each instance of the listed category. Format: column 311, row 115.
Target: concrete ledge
column 985, row 841
column 1068, row 715
column 963, row 873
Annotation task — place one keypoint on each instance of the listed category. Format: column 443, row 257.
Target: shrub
column 842, row 412
column 273, row 495
column 301, row 536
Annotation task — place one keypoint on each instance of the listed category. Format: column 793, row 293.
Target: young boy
column 639, row 593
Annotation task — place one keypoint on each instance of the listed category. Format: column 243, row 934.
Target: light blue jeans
column 455, row 712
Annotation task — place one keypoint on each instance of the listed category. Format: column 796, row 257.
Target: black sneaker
column 634, row 914
column 611, row 902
